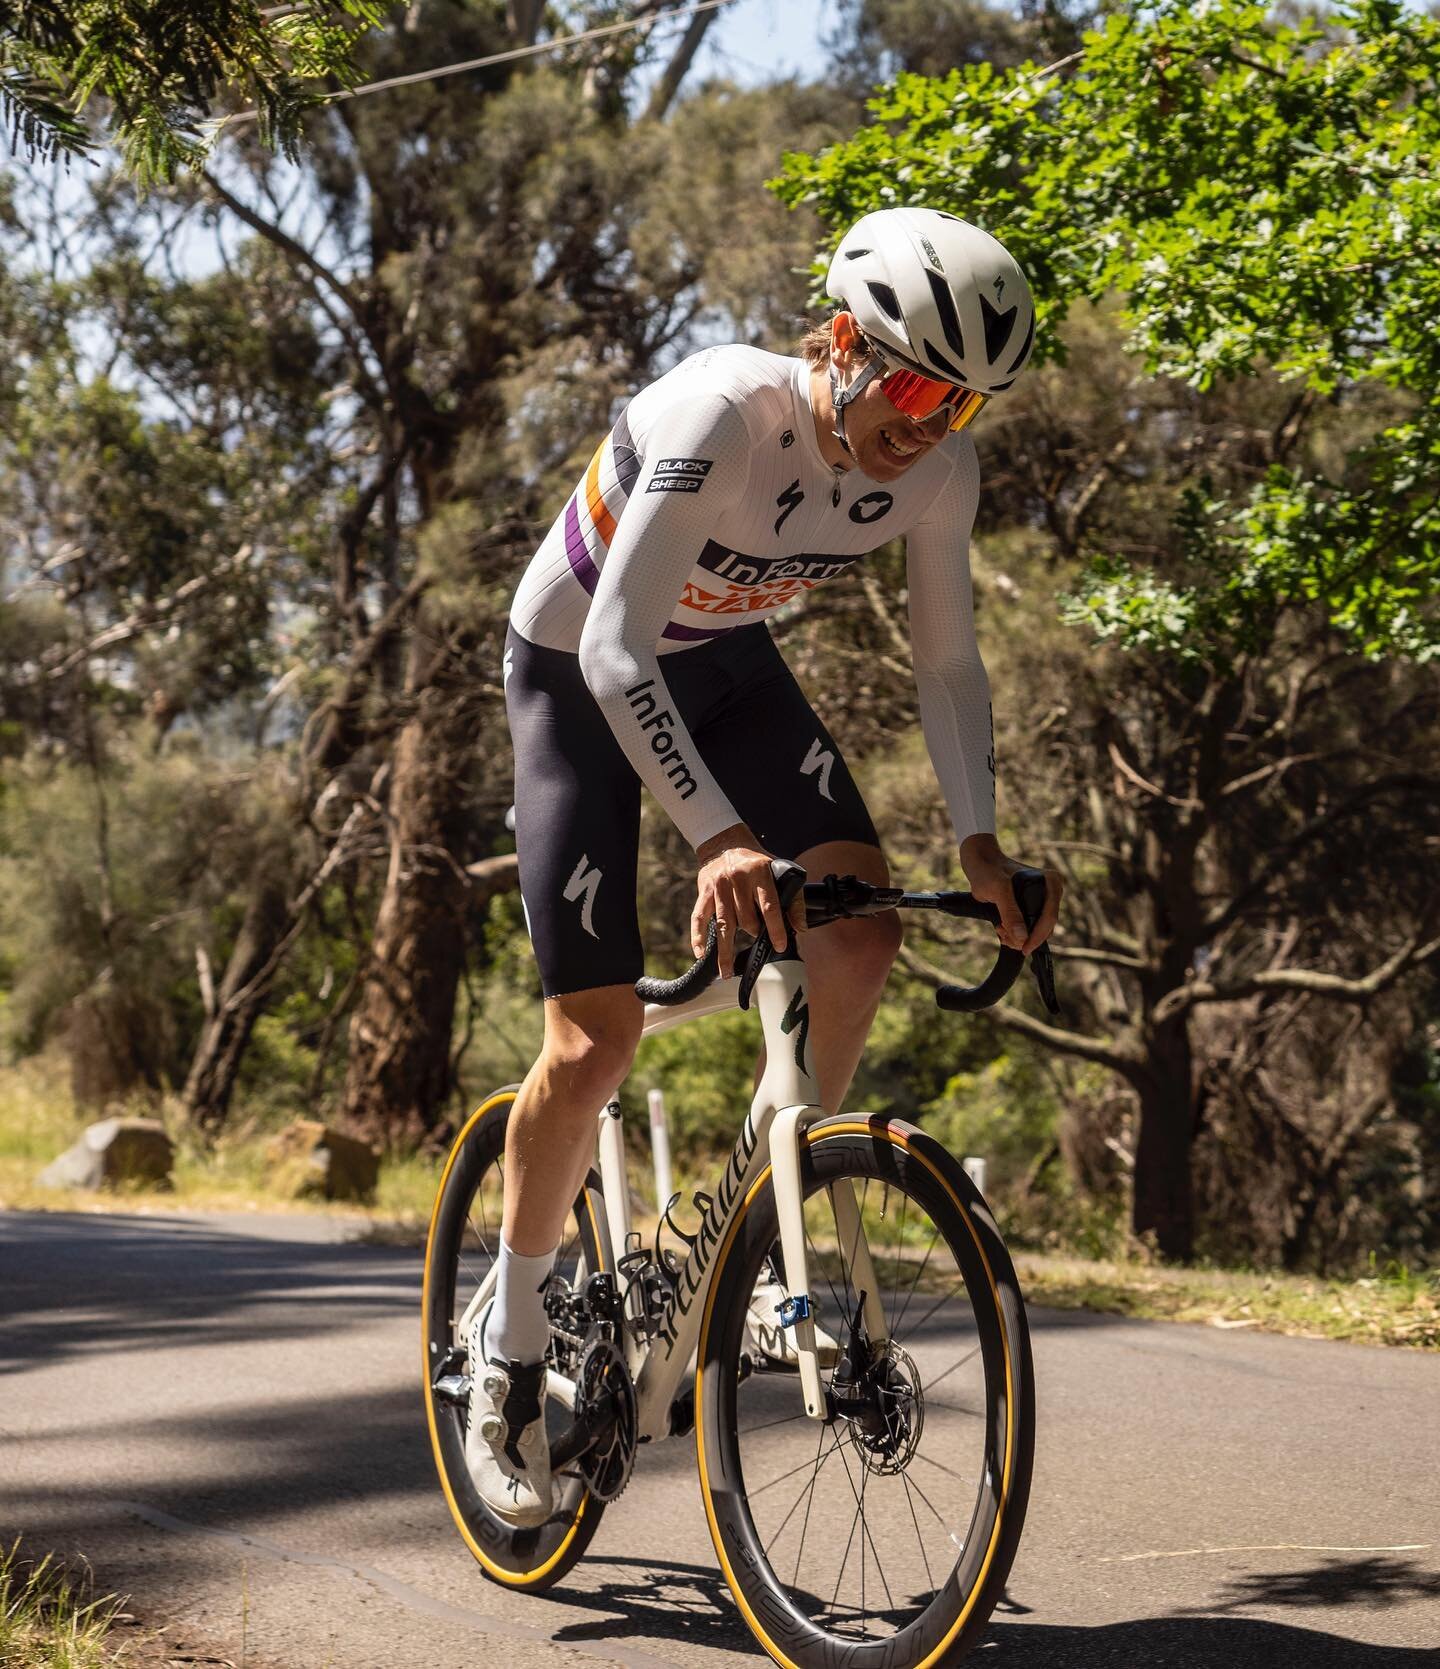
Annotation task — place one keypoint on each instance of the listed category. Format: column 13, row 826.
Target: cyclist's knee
column 862, row 950
column 591, row 1038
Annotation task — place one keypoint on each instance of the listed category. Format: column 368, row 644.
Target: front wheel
column 883, row 1535
column 460, row 1254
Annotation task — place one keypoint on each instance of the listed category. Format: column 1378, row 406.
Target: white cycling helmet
column 937, row 295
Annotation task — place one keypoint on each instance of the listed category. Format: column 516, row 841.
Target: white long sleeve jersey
column 709, row 506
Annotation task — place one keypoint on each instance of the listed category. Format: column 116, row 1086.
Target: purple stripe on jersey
column 689, row 634
column 622, row 449
column 581, row 562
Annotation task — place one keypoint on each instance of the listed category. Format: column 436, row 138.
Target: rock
column 312, row 1161
column 114, row 1152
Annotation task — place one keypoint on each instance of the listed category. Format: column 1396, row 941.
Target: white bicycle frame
column 786, row 1100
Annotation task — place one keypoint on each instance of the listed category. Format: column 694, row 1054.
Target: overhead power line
column 501, row 57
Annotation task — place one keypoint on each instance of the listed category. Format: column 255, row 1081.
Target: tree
column 162, row 66
column 1257, row 198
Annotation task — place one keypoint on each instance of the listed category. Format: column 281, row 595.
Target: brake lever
column 789, row 880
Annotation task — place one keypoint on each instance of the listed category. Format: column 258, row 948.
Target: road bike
column 865, row 1481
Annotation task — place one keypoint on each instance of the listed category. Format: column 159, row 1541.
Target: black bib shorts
column 577, row 797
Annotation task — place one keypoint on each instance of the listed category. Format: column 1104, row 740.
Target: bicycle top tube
column 838, row 897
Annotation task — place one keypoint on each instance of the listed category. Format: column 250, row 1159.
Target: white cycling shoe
column 507, row 1448
column 774, row 1342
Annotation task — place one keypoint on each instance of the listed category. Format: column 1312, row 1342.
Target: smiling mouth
column 896, row 449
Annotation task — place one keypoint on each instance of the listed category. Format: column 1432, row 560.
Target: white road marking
column 1267, row 1547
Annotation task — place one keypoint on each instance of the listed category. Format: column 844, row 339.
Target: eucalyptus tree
column 497, row 258
column 155, row 76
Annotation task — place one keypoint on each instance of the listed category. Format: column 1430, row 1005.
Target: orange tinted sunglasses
column 921, row 397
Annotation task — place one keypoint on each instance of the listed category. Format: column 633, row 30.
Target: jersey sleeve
column 696, row 465
column 949, row 674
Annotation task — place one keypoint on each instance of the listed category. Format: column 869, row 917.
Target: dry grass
column 1395, row 1306
column 49, row 1619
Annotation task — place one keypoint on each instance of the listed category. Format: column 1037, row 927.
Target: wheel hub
column 883, row 1402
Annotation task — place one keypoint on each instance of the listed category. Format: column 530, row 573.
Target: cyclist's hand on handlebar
column 737, row 888
column 988, row 871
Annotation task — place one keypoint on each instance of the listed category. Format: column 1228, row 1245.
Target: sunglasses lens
column 965, row 409
column 913, row 394
column 921, row 397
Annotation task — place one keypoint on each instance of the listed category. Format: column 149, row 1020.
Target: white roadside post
column 660, row 1149
column 975, row 1170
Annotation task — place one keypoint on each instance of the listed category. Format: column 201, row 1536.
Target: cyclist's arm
column 949, row 674
column 665, row 524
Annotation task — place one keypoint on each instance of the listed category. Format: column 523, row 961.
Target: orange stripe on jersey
column 599, row 512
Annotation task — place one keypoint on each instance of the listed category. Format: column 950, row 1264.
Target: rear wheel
column 884, row 1534
column 460, row 1254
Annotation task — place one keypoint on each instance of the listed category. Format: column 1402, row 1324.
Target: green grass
column 1391, row 1306
column 46, row 1620
column 1395, row 1306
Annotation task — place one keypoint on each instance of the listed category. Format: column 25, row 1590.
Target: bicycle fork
column 787, row 1099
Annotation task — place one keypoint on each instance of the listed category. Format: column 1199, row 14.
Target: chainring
column 604, row 1378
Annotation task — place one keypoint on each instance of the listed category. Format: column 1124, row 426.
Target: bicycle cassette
column 606, row 1393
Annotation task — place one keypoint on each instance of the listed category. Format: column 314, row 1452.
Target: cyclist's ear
column 845, row 337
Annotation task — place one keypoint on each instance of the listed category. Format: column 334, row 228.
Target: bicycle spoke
column 924, row 1264
column 950, row 1470
column 928, row 1502
column 765, row 1425
column 944, row 1297
column 800, row 1552
column 954, row 1367
column 752, row 1493
column 844, row 1559
column 865, row 1535
column 899, row 1249
column 804, row 1495
column 910, row 1502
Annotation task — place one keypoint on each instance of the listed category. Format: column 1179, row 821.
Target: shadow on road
column 135, row 1285
column 1371, row 1582
column 1188, row 1643
column 660, row 1600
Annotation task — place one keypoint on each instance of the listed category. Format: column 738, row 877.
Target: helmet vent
column 886, row 300
column 855, row 254
column 1024, row 353
column 997, row 327
column 949, row 318
column 938, row 362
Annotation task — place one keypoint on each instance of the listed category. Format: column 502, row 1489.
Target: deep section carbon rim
column 898, row 1515
column 461, row 1252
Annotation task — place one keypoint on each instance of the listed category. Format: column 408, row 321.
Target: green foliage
column 48, row 1619
column 162, row 65
column 1261, row 196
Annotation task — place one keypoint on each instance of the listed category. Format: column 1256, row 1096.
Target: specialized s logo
column 819, row 760
column 871, row 507
column 797, row 1016
column 791, row 499
column 581, row 888
column 679, row 475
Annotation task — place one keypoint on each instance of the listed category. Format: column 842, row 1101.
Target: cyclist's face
column 885, row 442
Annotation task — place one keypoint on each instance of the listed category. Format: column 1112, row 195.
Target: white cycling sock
column 518, row 1329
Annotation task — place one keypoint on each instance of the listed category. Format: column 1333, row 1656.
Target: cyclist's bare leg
column 590, row 1039
column 847, row 965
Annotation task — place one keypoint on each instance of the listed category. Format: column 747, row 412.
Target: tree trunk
column 1164, row 1203
column 240, row 999
column 398, row 1070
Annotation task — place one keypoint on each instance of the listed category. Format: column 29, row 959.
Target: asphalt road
column 222, row 1414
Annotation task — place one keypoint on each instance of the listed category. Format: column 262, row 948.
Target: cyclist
column 637, row 653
